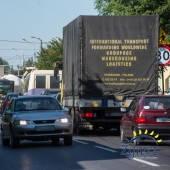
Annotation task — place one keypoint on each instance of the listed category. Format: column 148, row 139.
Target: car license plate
column 162, row 119
column 45, row 128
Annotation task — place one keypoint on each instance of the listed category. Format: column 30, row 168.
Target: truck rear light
column 141, row 120
column 87, row 115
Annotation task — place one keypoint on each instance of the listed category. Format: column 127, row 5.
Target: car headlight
column 21, row 122
column 63, row 120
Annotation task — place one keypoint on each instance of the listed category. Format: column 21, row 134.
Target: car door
column 128, row 122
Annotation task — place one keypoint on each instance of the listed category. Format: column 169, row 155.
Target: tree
column 137, row 7
column 51, row 55
column 6, row 68
column 29, row 63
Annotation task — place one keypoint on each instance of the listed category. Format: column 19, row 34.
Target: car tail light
column 141, row 120
column 87, row 115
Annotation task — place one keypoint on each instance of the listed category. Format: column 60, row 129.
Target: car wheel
column 5, row 142
column 14, row 142
column 68, row 140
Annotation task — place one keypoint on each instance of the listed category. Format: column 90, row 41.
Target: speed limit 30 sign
column 164, row 55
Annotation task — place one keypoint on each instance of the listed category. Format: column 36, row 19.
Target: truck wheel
column 55, row 141
column 78, row 131
column 68, row 140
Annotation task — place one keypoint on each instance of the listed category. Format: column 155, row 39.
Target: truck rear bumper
column 98, row 124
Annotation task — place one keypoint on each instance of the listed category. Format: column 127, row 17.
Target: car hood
column 41, row 115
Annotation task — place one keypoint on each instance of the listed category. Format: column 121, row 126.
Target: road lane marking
column 105, row 148
column 80, row 142
column 145, row 162
column 139, row 160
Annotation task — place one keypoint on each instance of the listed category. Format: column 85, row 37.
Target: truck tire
column 68, row 140
column 55, row 141
column 78, row 130
column 76, row 121
column 14, row 142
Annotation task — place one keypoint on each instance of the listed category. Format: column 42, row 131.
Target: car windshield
column 11, row 95
column 53, row 92
column 157, row 103
column 36, row 104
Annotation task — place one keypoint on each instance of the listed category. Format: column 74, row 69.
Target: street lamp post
column 39, row 40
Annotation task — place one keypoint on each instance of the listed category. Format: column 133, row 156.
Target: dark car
column 35, row 118
column 147, row 115
column 52, row 92
column 8, row 97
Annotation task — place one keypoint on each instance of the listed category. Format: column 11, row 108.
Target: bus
column 39, row 80
column 6, row 86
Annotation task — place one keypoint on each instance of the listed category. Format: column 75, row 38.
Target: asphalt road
column 89, row 151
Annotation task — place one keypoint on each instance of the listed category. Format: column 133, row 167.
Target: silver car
column 35, row 118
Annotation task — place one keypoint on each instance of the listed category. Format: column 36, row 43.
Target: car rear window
column 157, row 103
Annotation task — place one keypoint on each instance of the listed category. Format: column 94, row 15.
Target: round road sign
column 164, row 55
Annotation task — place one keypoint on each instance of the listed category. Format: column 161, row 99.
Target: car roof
column 11, row 93
column 52, row 90
column 154, row 95
column 34, row 96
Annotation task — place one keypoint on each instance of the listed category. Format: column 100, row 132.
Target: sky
column 44, row 19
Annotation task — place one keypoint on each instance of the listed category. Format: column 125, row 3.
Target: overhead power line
column 19, row 49
column 23, row 42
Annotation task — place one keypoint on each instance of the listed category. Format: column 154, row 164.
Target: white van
column 39, row 80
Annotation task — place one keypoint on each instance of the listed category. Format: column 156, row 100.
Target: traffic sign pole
column 163, row 60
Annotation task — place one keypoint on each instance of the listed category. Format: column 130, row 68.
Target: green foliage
column 3, row 62
column 6, row 68
column 137, row 7
column 52, row 54
column 29, row 63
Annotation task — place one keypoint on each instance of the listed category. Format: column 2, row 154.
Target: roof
column 34, row 96
column 13, row 93
column 154, row 95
